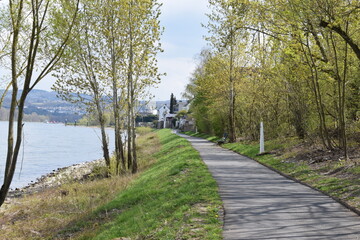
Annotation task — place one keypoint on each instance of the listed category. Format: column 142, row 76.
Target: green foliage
column 181, row 113
column 295, row 68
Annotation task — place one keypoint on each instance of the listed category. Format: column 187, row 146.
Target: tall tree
column 32, row 46
column 301, row 73
column 113, row 59
column 226, row 38
column 114, row 18
column 172, row 103
column 80, row 78
column 143, row 31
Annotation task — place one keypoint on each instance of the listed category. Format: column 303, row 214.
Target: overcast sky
column 182, row 40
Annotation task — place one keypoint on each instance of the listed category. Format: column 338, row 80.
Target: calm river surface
column 47, row 147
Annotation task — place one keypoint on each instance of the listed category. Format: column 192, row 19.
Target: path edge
column 336, row 199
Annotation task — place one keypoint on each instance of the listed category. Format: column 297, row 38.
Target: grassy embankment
column 327, row 173
column 173, row 197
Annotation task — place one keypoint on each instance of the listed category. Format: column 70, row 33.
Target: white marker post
column 164, row 114
column 262, row 147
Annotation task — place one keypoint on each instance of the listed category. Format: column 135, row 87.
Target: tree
column 32, row 46
column 226, row 38
column 115, row 17
column 143, row 31
column 294, row 65
column 80, row 78
column 172, row 103
column 113, row 60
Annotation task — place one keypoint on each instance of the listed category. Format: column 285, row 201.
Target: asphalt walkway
column 261, row 204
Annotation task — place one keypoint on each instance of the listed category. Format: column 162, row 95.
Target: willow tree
column 32, row 25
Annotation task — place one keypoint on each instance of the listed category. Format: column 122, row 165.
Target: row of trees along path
column 102, row 54
column 292, row 64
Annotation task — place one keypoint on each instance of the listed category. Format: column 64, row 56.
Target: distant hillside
column 46, row 103
column 39, row 97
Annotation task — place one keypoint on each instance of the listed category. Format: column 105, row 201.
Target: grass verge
column 174, row 197
column 339, row 179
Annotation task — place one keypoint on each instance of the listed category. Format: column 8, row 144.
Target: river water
column 47, row 147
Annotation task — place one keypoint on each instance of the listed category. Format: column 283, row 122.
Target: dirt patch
column 336, row 176
column 314, row 154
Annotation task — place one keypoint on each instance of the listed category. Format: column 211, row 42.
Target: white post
column 164, row 114
column 262, row 147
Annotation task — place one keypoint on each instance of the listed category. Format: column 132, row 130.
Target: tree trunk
column 104, row 140
column 324, row 134
column 341, row 85
column 232, row 134
column 9, row 170
column 134, row 168
column 132, row 161
column 13, row 151
column 10, row 165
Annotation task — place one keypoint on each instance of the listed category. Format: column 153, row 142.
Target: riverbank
column 76, row 172
column 172, row 197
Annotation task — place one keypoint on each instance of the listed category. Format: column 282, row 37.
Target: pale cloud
column 180, row 7
column 178, row 71
column 181, row 41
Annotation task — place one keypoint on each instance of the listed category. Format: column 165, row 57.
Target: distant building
column 162, row 112
column 165, row 117
column 169, row 120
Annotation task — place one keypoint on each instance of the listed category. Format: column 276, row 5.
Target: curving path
column 261, row 204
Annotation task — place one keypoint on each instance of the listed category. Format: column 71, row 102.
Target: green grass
column 176, row 198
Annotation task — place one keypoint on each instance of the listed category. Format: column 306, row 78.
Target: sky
column 182, row 41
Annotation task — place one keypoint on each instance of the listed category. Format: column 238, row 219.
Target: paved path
column 261, row 204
